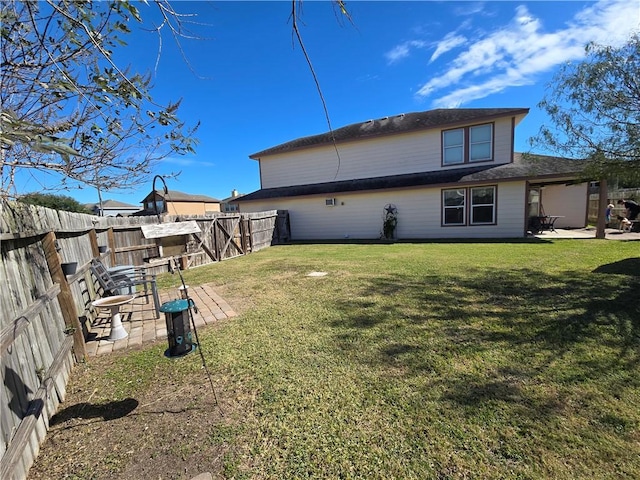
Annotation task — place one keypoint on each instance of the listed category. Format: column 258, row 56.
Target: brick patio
column 138, row 319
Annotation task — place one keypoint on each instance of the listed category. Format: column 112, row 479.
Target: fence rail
column 44, row 311
column 614, row 196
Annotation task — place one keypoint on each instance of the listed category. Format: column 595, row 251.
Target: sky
column 246, row 79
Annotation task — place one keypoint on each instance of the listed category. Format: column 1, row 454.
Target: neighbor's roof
column 402, row 123
column 116, row 204
column 232, row 198
column 113, row 204
column 531, row 167
column 176, row 196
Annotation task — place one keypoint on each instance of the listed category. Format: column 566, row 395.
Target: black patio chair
column 112, row 283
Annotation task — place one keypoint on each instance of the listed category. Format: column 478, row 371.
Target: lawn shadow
column 512, row 327
column 107, row 411
column 627, row 266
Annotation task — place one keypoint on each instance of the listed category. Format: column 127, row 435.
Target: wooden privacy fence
column 44, row 309
column 222, row 236
column 614, row 196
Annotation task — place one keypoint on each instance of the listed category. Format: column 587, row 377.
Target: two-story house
column 449, row 173
column 174, row 202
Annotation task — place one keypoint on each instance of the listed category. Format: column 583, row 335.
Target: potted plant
column 69, row 268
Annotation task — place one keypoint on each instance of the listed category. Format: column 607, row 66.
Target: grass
column 435, row 360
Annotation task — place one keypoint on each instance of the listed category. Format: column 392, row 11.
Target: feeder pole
column 195, row 331
column 155, row 200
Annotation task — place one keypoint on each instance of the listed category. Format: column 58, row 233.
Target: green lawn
column 435, row 360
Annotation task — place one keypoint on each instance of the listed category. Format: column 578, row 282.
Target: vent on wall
column 330, row 202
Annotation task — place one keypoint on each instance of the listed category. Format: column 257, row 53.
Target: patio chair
column 112, row 283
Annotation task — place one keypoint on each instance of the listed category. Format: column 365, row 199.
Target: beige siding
column 192, row 208
column 359, row 215
column 503, row 141
column 376, row 157
column 569, row 202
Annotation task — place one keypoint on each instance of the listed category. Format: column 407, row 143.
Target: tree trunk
column 100, row 211
column 603, row 201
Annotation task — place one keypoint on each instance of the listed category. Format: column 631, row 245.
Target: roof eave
column 518, row 113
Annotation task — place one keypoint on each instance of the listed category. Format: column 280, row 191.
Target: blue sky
column 249, row 85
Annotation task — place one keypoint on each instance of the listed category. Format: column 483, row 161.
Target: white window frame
column 467, row 146
column 482, row 143
column 473, row 206
column 454, row 207
column 468, row 206
column 458, row 147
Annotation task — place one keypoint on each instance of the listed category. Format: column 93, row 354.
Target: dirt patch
column 170, row 431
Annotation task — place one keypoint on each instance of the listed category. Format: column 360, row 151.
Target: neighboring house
column 112, row 208
column 226, row 204
column 450, row 173
column 174, row 202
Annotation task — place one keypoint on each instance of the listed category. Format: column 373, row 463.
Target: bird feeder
column 178, row 328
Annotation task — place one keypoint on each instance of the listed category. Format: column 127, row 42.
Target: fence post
column 248, row 234
column 217, row 251
column 112, row 242
column 65, row 298
column 93, row 240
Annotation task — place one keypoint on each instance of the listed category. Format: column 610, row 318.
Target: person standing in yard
column 607, row 214
column 633, row 209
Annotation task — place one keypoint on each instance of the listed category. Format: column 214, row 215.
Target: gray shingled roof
column 402, row 123
column 176, row 196
column 112, row 204
column 532, row 167
column 117, row 204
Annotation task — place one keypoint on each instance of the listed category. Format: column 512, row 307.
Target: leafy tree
column 594, row 107
column 67, row 108
column 57, row 202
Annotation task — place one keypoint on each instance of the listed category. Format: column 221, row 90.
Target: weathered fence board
column 44, row 313
column 614, row 196
column 30, row 431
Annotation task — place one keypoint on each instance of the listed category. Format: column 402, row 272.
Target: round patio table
column 117, row 330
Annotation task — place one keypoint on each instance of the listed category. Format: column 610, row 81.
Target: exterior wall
column 192, row 208
column 376, row 157
column 569, row 202
column 359, row 215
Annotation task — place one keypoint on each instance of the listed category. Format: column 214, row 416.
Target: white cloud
column 402, row 51
column 397, row 53
column 517, row 53
column 187, row 162
column 449, row 42
column 471, row 8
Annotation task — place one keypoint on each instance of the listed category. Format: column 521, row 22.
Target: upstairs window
column 480, row 143
column 453, row 146
column 467, row 144
column 159, row 202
